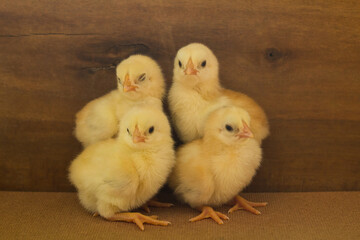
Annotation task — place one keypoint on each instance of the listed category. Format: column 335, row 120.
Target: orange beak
column 127, row 84
column 246, row 132
column 190, row 69
column 137, row 137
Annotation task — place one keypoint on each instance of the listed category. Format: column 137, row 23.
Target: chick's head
column 140, row 76
column 196, row 64
column 230, row 125
column 144, row 127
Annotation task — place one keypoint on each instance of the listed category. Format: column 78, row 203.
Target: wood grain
column 299, row 59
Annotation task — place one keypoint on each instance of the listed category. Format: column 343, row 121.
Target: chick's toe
column 209, row 212
column 242, row 203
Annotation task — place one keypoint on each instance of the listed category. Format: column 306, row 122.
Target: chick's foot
column 242, row 203
column 138, row 219
column 154, row 203
column 208, row 212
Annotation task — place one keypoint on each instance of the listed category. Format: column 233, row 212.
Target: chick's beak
column 127, row 84
column 190, row 69
column 137, row 137
column 245, row 132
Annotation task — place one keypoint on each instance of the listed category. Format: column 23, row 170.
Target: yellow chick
column 196, row 91
column 140, row 80
column 211, row 171
column 115, row 176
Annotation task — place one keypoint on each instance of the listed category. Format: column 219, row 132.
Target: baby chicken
column 139, row 80
column 115, row 176
column 196, row 92
column 212, row 170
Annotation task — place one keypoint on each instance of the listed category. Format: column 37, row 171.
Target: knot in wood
column 273, row 54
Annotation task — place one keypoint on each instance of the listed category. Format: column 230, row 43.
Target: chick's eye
column 151, row 129
column 229, row 128
column 203, row 64
column 180, row 64
column 119, row 81
column 142, row 77
column 128, row 131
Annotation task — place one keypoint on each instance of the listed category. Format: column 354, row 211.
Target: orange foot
column 208, row 212
column 138, row 219
column 154, row 203
column 241, row 203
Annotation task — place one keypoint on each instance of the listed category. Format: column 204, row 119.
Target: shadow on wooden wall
column 300, row 61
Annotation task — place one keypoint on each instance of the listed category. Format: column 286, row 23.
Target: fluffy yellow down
column 193, row 97
column 99, row 119
column 119, row 175
column 215, row 168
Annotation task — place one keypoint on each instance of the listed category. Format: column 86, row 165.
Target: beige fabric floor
column 334, row 215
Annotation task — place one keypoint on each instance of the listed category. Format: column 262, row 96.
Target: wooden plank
column 299, row 60
column 310, row 155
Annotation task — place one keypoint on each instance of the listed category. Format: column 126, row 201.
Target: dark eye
column 142, row 77
column 203, row 64
column 128, row 131
column 180, row 65
column 229, row 128
column 151, row 130
column 119, row 81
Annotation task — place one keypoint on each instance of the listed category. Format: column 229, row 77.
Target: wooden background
column 299, row 59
